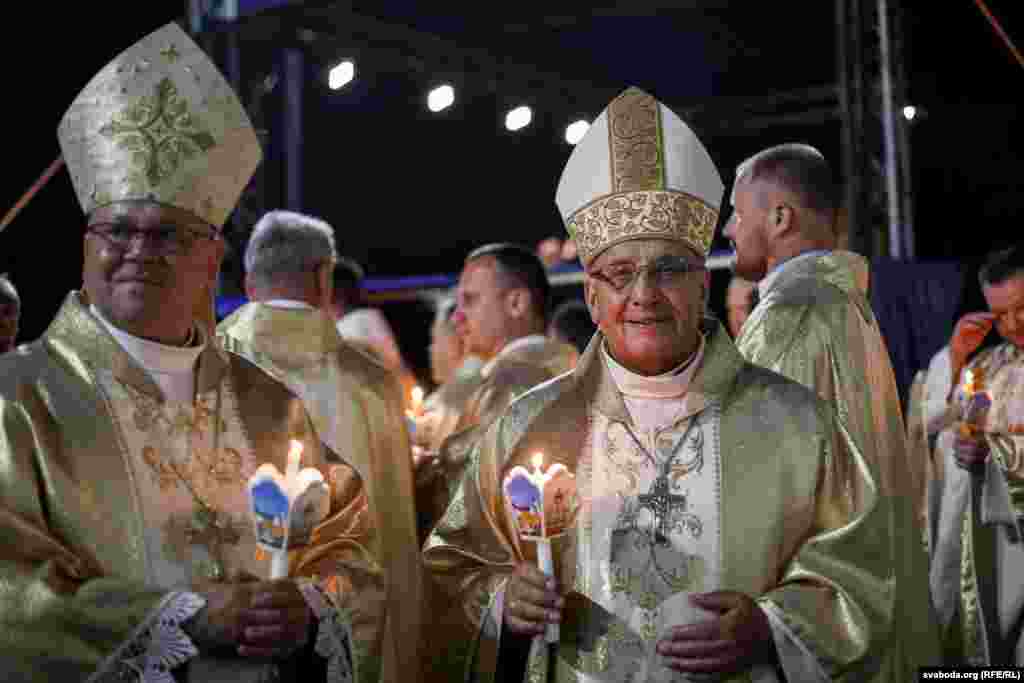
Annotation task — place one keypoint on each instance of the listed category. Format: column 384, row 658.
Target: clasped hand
column 254, row 618
column 738, row 637
column 734, row 640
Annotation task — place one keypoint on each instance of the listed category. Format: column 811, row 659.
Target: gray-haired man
column 355, row 403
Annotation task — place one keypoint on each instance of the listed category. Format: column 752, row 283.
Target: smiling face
column 1006, row 301
column 649, row 329
column 142, row 288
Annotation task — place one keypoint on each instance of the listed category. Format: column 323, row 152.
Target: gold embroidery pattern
column 970, row 608
column 160, row 133
column 204, row 469
column 665, row 214
column 634, row 132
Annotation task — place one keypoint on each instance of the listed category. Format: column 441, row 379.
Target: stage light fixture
column 909, row 112
column 440, row 98
column 518, row 118
column 341, row 75
column 575, row 131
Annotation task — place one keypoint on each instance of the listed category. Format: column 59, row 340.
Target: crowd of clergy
column 716, row 502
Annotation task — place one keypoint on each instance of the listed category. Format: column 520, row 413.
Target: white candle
column 291, row 472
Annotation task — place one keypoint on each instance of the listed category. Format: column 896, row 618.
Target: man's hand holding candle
column 531, row 601
column 542, row 504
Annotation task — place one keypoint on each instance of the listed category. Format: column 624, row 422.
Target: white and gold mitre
column 161, row 123
column 639, row 173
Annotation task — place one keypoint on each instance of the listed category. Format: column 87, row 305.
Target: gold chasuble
column 356, row 407
column 748, row 487
column 471, row 401
column 814, row 325
column 977, row 521
column 116, row 503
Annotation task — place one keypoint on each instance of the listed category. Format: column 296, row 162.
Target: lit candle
column 294, row 461
column 417, row 400
column 525, row 495
column 276, row 499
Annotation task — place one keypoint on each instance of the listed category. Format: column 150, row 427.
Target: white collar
column 289, row 303
column 520, row 343
column 671, row 384
column 768, row 280
column 154, row 357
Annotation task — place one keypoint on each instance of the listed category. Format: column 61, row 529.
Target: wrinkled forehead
column 142, row 212
column 645, row 251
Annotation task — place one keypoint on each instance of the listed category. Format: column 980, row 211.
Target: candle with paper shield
column 415, row 409
column 543, row 505
column 976, row 403
column 285, row 508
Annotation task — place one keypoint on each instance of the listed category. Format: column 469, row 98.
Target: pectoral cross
column 662, row 503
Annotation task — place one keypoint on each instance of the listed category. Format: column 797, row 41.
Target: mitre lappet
column 639, row 173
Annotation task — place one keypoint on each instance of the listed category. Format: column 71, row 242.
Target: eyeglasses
column 166, row 240
column 668, row 272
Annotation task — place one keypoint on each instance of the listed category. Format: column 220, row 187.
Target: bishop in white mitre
column 128, row 435
column 728, row 527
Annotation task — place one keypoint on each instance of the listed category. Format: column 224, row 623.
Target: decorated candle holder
column 543, row 505
column 285, row 508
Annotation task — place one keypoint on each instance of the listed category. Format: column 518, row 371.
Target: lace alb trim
column 333, row 636
column 157, row 646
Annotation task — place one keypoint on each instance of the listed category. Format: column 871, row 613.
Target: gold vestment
column 356, row 407
column 79, row 597
column 814, row 325
column 976, row 525
column 800, row 529
column 468, row 403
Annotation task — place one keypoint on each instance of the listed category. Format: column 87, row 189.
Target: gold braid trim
column 654, row 214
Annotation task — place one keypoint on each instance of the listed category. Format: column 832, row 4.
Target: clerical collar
column 155, row 358
column 671, row 384
column 289, row 303
column 515, row 344
column 768, row 280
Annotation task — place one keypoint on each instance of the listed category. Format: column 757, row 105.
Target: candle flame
column 537, row 460
column 417, row 395
column 295, row 452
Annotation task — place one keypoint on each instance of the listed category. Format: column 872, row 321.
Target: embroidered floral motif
column 663, row 213
column 160, row 134
column 634, row 128
column 158, row 646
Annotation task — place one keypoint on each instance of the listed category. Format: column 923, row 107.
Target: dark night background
column 410, row 192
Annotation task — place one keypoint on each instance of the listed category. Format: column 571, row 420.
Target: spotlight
column 341, row 75
column 575, row 131
column 909, row 112
column 518, row 118
column 440, row 98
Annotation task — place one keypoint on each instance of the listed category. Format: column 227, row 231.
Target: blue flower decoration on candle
column 522, row 493
column 269, row 500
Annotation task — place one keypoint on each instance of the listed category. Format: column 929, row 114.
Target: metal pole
column 293, row 72
column 853, row 109
column 904, row 130
column 897, row 241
